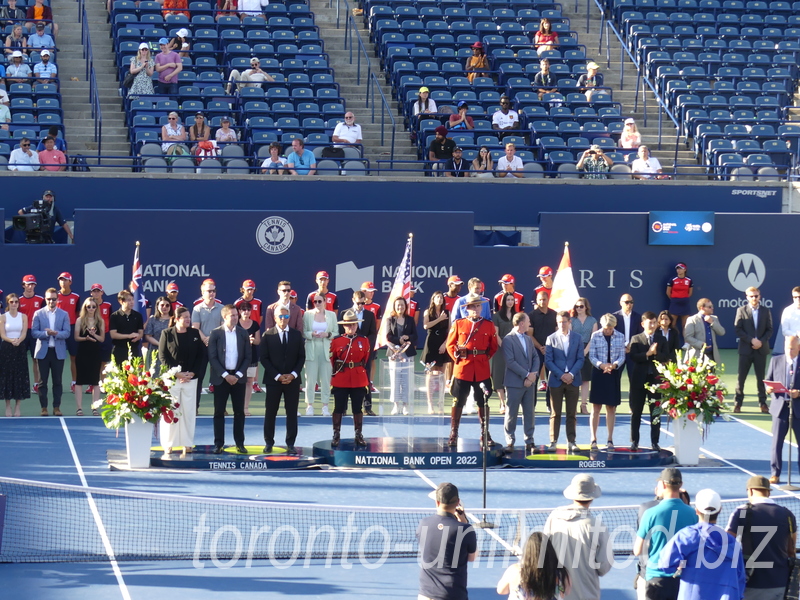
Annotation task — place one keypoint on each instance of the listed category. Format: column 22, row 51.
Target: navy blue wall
column 610, row 255
column 494, row 203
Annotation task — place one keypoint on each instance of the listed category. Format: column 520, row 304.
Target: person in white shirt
column 23, row 158
column 252, row 8
column 510, row 164
column 252, row 77
column 505, row 119
column 347, row 132
column 790, row 321
column 646, row 166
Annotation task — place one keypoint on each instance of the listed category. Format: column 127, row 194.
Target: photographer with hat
column 447, row 543
column 47, row 206
column 594, row 163
column 771, row 530
column 657, row 524
column 581, row 541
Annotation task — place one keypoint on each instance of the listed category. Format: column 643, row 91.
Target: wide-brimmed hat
column 582, row 488
column 350, row 318
column 473, row 298
column 477, row 45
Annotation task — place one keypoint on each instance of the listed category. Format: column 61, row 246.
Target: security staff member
column 349, row 356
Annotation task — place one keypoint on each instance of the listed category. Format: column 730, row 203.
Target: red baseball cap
column 65, row 275
column 249, row 284
column 172, row 287
column 322, row 274
column 29, row 279
column 545, row 272
column 454, row 279
column 96, row 286
column 292, row 294
column 368, row 286
column 209, row 282
column 681, row 266
column 507, row 279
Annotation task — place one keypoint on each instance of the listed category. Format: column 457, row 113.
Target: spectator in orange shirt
column 51, row 158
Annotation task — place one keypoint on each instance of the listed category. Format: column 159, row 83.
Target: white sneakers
column 405, row 409
column 325, row 411
column 309, row 410
column 395, row 409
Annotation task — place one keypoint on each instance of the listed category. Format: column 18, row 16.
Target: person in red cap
column 331, row 303
column 104, row 310
column 507, row 286
column 248, row 290
column 369, row 289
column 679, row 291
column 29, row 303
column 413, row 305
column 453, row 293
column 172, row 294
column 69, row 302
column 477, row 65
column 545, row 282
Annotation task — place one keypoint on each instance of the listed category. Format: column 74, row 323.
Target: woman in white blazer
column 319, row 328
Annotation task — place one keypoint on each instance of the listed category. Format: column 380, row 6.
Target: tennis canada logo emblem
column 274, row 235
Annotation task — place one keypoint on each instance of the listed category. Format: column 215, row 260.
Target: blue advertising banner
column 681, row 228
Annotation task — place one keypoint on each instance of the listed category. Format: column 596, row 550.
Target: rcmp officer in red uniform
column 471, row 343
column 349, row 355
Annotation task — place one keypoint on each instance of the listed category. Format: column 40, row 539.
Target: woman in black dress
column 436, row 321
column 503, row 326
column 253, row 330
column 14, row 382
column 89, row 333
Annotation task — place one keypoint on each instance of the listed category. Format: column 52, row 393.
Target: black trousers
column 47, row 365
column 637, row 398
column 461, row 387
column 291, row 400
column 368, row 367
column 342, row 395
column 759, row 363
column 236, row 393
column 662, row 588
column 201, row 373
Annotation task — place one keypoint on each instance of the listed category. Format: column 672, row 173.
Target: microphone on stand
column 789, row 486
column 484, row 524
column 485, row 390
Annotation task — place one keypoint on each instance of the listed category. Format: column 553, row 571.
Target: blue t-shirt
column 302, row 163
column 661, row 522
column 445, row 545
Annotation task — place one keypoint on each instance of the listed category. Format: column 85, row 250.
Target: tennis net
column 47, row 522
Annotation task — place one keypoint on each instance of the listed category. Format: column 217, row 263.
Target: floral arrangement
column 688, row 387
column 133, row 389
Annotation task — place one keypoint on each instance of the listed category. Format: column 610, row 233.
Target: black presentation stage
column 397, row 453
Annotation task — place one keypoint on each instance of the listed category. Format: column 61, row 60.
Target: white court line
column 123, row 588
column 767, row 433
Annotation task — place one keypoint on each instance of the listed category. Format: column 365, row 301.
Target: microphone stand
column 484, row 524
column 789, row 487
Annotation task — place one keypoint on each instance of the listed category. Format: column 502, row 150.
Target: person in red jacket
column 349, row 355
column 29, row 303
column 70, row 302
column 471, row 343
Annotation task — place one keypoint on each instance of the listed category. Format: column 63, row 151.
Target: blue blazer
column 41, row 323
column 777, row 372
column 559, row 362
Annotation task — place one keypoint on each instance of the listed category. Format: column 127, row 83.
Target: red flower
column 169, row 416
column 689, row 381
column 147, row 416
column 673, row 413
column 672, row 401
column 657, row 403
column 147, row 374
column 691, row 369
column 678, row 371
column 691, row 416
column 128, row 396
column 665, row 385
column 177, row 405
column 690, row 404
column 713, row 380
column 133, row 380
column 719, row 395
column 111, row 397
column 693, row 395
column 127, row 367
column 683, row 388
column 148, row 391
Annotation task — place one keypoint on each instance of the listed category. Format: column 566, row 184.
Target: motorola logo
column 746, row 270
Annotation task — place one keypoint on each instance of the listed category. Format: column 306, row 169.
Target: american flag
column 401, row 288
column 139, row 301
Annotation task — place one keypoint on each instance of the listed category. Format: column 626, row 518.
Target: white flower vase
column 138, row 436
column 688, row 438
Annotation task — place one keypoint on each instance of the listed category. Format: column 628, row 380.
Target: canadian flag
column 564, row 294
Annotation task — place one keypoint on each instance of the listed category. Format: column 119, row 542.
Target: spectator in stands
column 461, row 120
column 510, row 164
column 180, row 43
column 225, row 8
column 477, row 64
column 252, row 8
column 646, row 166
column 5, row 116
column 11, row 14
column 441, row 149
column 39, row 12
column 545, row 81
column 17, row 71
column 45, row 71
column 301, row 161
column 16, row 41
column 545, row 39
column 252, row 77
column 4, row 99
column 275, row 164
column 594, row 163
column 483, row 165
column 630, row 138
column 456, row 166
column 590, row 80
column 225, row 133
column 505, row 119
column 200, row 131
column 142, row 65
column 347, row 132
column 54, row 133
column 424, row 105
column 23, row 158
column 51, row 158
column 168, row 65
column 172, row 134
column 176, row 7
column 40, row 39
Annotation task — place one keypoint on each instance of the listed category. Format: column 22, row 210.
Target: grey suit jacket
column 517, row 364
column 216, row 353
column 694, row 334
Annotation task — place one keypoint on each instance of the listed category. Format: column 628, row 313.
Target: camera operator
column 51, row 216
column 594, row 163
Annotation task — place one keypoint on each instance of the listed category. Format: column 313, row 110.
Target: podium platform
column 620, row 458
column 204, row 459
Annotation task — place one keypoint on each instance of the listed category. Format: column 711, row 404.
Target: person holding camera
column 594, row 163
column 51, row 216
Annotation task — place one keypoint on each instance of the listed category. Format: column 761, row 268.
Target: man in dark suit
column 368, row 327
column 629, row 324
column 563, row 357
column 784, row 369
column 645, row 351
column 522, row 370
column 229, row 357
column 753, row 325
column 283, row 354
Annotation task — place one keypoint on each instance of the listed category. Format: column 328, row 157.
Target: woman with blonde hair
column 607, row 355
column 630, row 138
column 319, row 328
column 90, row 334
column 142, row 66
column 14, row 382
